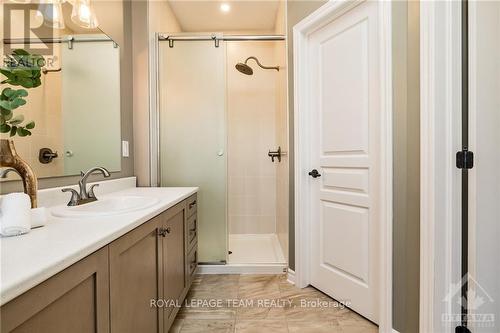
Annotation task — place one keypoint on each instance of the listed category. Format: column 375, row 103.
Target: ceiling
column 204, row 16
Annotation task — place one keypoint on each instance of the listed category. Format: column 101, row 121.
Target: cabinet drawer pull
column 192, row 204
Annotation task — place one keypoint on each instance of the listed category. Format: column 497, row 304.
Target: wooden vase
column 10, row 159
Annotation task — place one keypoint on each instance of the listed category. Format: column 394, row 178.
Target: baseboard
column 291, row 276
column 242, row 269
column 394, row 331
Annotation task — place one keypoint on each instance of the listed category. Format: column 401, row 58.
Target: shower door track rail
column 58, row 40
column 218, row 38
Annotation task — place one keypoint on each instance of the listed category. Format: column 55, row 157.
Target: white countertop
column 30, row 259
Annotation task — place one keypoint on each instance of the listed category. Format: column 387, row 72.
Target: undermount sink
column 106, row 207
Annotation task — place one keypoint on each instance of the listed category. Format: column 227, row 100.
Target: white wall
column 148, row 17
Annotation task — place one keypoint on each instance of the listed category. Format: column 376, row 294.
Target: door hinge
column 465, row 159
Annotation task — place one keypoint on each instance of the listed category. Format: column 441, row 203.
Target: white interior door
column 343, row 59
column 484, row 181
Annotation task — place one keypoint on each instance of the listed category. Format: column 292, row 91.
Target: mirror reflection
column 70, row 117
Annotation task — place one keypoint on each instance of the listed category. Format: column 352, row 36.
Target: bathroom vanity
column 106, row 273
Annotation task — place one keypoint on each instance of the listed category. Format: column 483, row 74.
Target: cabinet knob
column 164, row 231
column 192, row 204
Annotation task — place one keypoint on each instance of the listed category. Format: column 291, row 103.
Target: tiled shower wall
column 251, row 125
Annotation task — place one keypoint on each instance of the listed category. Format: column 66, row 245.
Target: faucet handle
column 75, row 197
column 91, row 191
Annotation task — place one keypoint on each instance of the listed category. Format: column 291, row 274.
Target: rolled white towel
column 38, row 217
column 15, row 214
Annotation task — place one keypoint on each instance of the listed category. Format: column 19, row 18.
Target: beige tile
column 259, row 278
column 259, row 290
column 297, row 313
column 261, row 326
column 324, row 326
column 209, row 280
column 260, row 313
column 215, row 286
column 207, row 326
column 206, row 313
column 214, row 293
column 176, row 326
column 298, row 316
column 359, row 329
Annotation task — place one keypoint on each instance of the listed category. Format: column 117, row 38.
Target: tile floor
column 273, row 306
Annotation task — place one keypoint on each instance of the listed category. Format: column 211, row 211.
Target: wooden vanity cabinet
column 191, row 249
column 112, row 290
column 75, row 300
column 134, row 266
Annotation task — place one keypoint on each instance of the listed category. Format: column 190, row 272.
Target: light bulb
column 84, row 15
column 225, row 7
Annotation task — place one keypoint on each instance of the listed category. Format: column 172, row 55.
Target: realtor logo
column 26, row 21
column 476, row 302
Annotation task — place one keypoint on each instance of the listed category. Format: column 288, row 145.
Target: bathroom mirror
column 76, row 109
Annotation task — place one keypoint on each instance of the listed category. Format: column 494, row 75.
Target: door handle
column 314, row 173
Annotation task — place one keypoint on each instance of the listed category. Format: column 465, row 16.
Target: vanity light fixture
column 83, row 14
column 224, row 7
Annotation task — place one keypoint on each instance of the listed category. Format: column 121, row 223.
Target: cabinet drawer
column 192, row 204
column 192, row 262
column 192, row 232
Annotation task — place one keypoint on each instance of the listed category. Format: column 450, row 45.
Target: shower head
column 245, row 69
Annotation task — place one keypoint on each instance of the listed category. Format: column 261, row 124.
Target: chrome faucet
column 84, row 196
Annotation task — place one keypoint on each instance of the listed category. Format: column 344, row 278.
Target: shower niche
column 222, row 109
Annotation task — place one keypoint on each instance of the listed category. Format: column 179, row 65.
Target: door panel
column 74, row 300
column 135, row 276
column 484, row 178
column 343, row 63
column 353, row 222
column 345, row 147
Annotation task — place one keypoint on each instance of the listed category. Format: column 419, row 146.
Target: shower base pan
column 251, row 254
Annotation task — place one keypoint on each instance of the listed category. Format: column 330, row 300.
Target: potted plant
column 20, row 69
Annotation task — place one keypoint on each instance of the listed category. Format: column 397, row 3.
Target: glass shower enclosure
column 192, row 120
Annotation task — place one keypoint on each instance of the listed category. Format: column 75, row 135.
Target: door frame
column 440, row 139
column 301, row 32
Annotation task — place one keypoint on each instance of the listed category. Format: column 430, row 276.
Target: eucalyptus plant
column 20, row 69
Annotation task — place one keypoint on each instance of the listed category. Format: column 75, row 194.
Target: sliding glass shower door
column 192, row 83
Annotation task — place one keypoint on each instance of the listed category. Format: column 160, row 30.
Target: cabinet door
column 174, row 280
column 75, row 300
column 135, row 280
